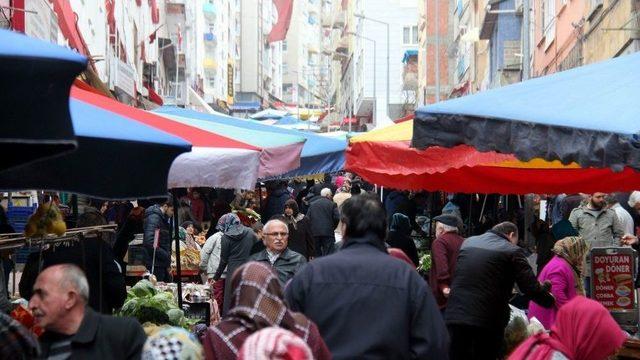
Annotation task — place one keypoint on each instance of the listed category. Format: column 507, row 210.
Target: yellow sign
column 230, row 83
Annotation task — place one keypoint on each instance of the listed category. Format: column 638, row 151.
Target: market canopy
column 319, row 154
column 384, row 157
column 35, row 77
column 116, row 158
column 268, row 114
column 587, row 115
column 217, row 158
column 291, row 122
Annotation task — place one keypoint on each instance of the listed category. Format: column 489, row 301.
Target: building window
column 284, row 45
column 549, row 21
column 285, row 69
column 410, row 35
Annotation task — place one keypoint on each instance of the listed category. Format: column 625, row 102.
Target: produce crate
column 18, row 216
column 198, row 311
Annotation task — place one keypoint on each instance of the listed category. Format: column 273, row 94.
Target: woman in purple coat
column 563, row 271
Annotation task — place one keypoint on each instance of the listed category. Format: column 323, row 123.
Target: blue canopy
column 589, row 115
column 35, row 78
column 269, row 114
column 319, row 154
column 288, row 120
column 117, row 158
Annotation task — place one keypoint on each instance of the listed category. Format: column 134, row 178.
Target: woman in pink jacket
column 564, row 272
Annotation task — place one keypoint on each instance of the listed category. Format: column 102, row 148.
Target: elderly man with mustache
column 72, row 329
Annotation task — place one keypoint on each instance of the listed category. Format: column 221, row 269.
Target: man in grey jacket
column 277, row 254
column 598, row 225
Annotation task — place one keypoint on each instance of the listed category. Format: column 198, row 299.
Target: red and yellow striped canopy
column 383, row 157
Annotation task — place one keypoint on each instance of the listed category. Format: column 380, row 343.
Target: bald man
column 72, row 329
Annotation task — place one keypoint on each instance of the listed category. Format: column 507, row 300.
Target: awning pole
column 176, row 234
column 483, row 205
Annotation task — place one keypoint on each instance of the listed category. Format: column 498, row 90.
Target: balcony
column 340, row 20
column 343, row 45
column 327, row 20
column 209, row 11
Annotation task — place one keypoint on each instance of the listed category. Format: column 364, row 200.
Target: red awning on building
column 153, row 96
column 67, row 20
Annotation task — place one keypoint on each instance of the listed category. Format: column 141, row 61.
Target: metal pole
column 388, row 44
column 177, row 73
column 526, row 23
column 375, row 75
column 176, row 234
column 437, row 50
column 426, row 57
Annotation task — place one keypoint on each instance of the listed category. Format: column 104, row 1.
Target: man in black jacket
column 366, row 303
column 478, row 308
column 277, row 254
column 72, row 329
column 157, row 218
column 324, row 217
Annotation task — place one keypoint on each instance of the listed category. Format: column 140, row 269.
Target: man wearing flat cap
column 444, row 253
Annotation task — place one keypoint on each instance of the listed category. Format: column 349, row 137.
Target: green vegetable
column 176, row 316
column 130, row 307
column 425, row 262
column 143, row 288
column 152, row 315
column 146, row 304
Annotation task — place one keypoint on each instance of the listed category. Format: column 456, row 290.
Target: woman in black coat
column 300, row 236
column 399, row 236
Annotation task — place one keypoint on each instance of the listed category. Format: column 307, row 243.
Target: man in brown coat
column 444, row 253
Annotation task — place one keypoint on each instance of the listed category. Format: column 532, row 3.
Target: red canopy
column 384, row 157
column 194, row 135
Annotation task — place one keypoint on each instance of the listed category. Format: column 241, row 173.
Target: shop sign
column 230, row 89
column 123, row 76
column 613, row 280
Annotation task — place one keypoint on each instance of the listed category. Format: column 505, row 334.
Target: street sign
column 613, row 270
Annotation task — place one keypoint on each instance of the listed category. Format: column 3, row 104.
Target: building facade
column 558, row 29
column 436, row 38
column 259, row 63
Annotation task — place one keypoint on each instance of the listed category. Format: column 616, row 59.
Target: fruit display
column 46, row 220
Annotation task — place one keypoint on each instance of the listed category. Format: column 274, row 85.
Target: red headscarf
column 584, row 330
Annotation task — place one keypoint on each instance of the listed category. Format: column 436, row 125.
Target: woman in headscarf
column 584, row 330
column 257, row 303
column 399, row 236
column 564, row 272
column 300, row 236
column 237, row 241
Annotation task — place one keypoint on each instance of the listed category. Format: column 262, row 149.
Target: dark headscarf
column 297, row 216
column 16, row 341
column 230, row 224
column 293, row 205
column 400, row 223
